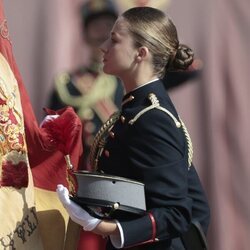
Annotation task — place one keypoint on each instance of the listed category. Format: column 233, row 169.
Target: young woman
column 148, row 142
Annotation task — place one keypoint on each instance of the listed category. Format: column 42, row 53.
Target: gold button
column 116, row 206
column 178, row 124
column 129, row 99
column 106, row 152
column 122, row 119
column 112, row 134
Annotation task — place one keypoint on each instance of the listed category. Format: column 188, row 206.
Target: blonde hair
column 150, row 27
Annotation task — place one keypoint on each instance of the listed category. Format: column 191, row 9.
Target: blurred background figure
column 93, row 94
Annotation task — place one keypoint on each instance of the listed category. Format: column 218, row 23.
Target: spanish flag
column 19, row 222
column 32, row 218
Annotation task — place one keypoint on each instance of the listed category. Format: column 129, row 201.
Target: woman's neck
column 131, row 84
column 138, row 75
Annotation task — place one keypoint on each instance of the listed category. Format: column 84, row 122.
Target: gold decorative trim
column 179, row 124
column 11, row 125
column 189, row 144
column 13, row 150
column 154, row 104
column 100, row 140
column 4, row 31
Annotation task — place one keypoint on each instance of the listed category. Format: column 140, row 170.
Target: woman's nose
column 103, row 47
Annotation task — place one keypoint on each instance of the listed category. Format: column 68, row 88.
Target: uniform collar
column 145, row 84
column 139, row 94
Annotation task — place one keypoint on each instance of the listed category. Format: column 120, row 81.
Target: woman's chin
column 107, row 70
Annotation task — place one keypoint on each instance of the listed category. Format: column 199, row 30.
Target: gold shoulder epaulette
column 155, row 104
column 189, row 144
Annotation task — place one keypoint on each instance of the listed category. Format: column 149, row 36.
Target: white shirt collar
column 145, row 84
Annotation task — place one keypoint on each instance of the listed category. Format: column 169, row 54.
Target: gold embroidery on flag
column 13, row 151
column 4, row 32
column 11, row 129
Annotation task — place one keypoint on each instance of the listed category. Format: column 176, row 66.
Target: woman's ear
column 142, row 54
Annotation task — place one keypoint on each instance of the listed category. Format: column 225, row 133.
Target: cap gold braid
column 100, row 139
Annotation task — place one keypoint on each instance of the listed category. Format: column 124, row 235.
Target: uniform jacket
column 147, row 145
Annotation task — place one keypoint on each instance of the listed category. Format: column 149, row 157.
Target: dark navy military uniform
column 148, row 144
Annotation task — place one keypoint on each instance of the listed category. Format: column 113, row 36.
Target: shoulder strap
column 155, row 104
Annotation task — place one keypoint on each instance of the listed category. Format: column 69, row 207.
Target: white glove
column 76, row 213
column 48, row 118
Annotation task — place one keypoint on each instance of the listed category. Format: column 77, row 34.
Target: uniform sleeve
column 157, row 157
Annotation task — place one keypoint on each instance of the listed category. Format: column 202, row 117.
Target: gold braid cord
column 155, row 104
column 100, row 139
column 189, row 144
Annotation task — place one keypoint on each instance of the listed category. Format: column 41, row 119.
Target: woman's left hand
column 76, row 213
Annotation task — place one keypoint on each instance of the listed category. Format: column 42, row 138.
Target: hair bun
column 183, row 58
